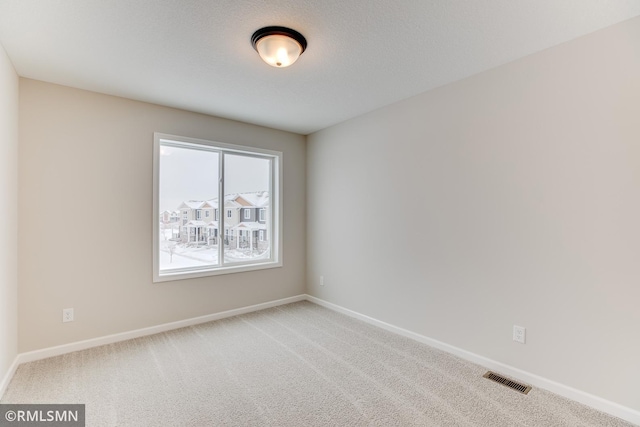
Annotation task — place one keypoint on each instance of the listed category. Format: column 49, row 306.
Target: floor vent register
column 522, row 388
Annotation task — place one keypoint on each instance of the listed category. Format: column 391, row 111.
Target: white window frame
column 262, row 214
column 247, row 213
column 229, row 213
column 275, row 196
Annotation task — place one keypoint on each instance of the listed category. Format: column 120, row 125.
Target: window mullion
column 221, row 215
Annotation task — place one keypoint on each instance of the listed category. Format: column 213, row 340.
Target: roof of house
column 258, row 199
column 197, row 223
column 196, row 204
column 191, row 204
column 249, row 226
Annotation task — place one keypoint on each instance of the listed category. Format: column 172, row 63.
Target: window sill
column 184, row 274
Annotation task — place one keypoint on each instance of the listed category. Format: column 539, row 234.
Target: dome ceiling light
column 278, row 46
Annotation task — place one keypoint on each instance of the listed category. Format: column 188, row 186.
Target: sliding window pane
column 188, row 201
column 247, row 224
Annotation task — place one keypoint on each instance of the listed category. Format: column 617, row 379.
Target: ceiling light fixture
column 278, row 46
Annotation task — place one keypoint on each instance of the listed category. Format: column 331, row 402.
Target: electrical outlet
column 519, row 334
column 67, row 315
column 321, row 280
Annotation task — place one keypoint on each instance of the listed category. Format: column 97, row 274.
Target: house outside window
column 188, row 177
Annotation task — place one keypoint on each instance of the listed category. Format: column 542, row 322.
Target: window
column 191, row 173
column 206, row 214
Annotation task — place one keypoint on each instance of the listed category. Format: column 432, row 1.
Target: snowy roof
column 242, row 202
column 197, row 223
column 258, row 199
column 196, row 204
column 250, row 226
column 191, row 204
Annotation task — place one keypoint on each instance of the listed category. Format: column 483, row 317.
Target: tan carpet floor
column 294, row 365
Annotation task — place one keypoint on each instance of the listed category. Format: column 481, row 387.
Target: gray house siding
column 252, row 215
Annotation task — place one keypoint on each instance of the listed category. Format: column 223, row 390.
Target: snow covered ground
column 184, row 256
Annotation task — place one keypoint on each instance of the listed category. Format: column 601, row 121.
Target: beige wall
column 512, row 197
column 86, row 159
column 9, row 214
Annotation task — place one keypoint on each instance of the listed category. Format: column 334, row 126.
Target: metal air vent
column 522, row 388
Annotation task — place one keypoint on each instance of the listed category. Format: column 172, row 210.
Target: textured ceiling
column 362, row 54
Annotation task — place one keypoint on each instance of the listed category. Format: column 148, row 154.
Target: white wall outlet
column 321, row 280
column 67, row 315
column 519, row 334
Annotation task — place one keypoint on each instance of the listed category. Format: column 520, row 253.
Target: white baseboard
column 8, row 376
column 603, row 405
column 123, row 336
column 593, row 401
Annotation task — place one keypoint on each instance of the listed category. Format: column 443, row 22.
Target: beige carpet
column 294, row 365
